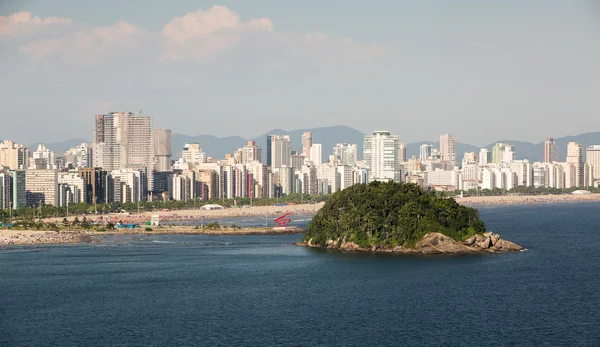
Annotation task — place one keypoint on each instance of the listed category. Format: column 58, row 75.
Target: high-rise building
column 95, row 180
column 402, row 152
column 575, row 157
column 425, row 151
column 316, row 154
column 549, row 151
column 123, row 140
column 498, row 152
column 42, row 159
column 161, row 140
column 251, row 152
column 269, row 150
column 448, row 148
column 18, row 196
column 41, row 186
column 381, row 156
column 485, row 156
column 192, row 153
column 4, row 190
column 345, row 154
column 281, row 151
column 592, row 157
column 13, row 155
column 306, row 144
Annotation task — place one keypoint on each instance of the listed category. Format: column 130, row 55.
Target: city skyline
column 269, row 64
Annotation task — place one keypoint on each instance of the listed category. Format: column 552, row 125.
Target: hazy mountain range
column 330, row 136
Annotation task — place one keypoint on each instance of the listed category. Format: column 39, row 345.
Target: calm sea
column 189, row 290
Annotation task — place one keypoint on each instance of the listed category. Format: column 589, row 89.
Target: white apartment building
column 280, row 150
column 592, row 157
column 344, row 176
column 316, row 154
column 381, row 156
column 42, row 159
column 77, row 184
column 575, row 157
column 425, row 151
column 345, row 154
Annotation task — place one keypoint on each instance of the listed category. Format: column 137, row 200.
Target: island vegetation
column 388, row 215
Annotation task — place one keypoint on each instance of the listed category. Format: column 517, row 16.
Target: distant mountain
column 330, row 136
column 59, row 147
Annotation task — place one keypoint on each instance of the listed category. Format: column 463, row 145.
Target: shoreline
column 507, row 200
column 189, row 215
column 14, row 237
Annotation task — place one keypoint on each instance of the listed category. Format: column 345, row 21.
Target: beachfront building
column 41, row 187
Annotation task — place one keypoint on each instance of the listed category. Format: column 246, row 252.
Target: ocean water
column 190, row 290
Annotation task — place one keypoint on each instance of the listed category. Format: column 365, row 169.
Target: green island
column 399, row 217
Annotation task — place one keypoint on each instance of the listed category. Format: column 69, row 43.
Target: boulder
column 349, row 246
column 470, row 241
column 436, row 243
column 485, row 244
column 507, row 246
column 494, row 238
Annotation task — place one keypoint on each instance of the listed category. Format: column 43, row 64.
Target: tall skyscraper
column 316, row 154
column 123, row 140
column 549, row 151
column 575, row 157
column 381, row 154
column 161, row 140
column 425, row 151
column 306, row 144
column 281, row 151
column 448, row 148
column 269, row 150
column 592, row 157
column 402, row 152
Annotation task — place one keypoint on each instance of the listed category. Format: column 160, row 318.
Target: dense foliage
column 390, row 214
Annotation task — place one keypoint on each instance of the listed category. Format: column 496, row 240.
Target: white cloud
column 89, row 45
column 24, row 22
column 195, row 36
column 202, row 34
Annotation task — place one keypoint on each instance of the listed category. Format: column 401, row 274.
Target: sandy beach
column 31, row 237
column 526, row 199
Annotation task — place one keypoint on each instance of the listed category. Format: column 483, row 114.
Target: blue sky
column 482, row 70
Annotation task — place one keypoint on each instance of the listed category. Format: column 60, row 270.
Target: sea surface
column 194, row 290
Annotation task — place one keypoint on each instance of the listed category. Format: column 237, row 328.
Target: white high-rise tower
column 381, row 154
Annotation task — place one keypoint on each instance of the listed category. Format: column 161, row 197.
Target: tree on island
column 390, row 214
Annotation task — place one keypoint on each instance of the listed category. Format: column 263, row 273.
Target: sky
column 481, row 70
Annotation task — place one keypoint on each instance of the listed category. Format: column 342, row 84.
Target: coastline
column 526, row 199
column 183, row 216
column 39, row 237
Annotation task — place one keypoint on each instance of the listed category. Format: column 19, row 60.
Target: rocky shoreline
column 432, row 244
